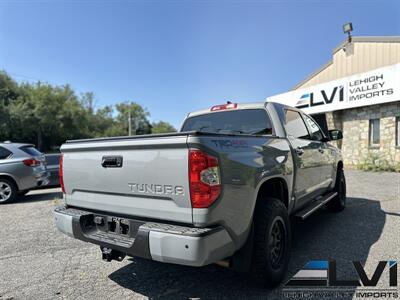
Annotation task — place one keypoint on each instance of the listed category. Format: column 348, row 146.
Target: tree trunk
column 39, row 140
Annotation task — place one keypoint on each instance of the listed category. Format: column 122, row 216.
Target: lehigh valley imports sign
column 375, row 87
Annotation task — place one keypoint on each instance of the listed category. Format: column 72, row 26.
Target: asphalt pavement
column 38, row 262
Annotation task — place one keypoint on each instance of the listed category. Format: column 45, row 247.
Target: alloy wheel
column 277, row 240
column 5, row 191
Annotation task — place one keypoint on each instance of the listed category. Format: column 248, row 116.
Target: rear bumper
column 32, row 178
column 157, row 241
column 42, row 178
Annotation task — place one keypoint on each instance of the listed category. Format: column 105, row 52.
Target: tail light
column 224, row 106
column 204, row 178
column 31, row 162
column 61, row 173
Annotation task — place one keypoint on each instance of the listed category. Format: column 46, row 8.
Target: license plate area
column 118, row 226
column 109, row 227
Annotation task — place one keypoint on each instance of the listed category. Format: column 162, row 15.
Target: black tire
column 271, row 248
column 8, row 191
column 338, row 203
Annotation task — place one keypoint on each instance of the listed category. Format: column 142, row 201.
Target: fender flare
column 11, row 177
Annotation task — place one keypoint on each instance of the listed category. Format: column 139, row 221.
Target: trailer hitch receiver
column 110, row 254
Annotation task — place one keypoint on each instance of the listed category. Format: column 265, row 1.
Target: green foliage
column 377, row 163
column 162, row 127
column 47, row 115
column 139, row 121
column 9, row 92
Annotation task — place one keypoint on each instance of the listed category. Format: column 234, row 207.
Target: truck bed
column 151, row 182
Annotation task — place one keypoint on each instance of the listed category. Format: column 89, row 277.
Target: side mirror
column 335, row 134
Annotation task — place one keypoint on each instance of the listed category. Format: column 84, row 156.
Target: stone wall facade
column 354, row 123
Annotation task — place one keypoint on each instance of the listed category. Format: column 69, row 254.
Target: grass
column 376, row 163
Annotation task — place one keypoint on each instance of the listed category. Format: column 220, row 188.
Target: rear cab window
column 244, row 121
column 31, row 150
column 5, row 153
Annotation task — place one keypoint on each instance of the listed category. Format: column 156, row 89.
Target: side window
column 295, row 126
column 4, row 153
column 316, row 133
column 374, row 133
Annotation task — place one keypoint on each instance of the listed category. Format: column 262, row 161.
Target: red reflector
column 224, row 106
column 31, row 162
column 60, row 173
column 204, row 178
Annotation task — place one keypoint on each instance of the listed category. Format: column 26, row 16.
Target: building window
column 398, row 131
column 374, row 133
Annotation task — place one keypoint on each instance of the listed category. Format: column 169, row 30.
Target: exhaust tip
column 223, row 263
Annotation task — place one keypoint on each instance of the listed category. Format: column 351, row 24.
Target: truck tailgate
column 151, row 181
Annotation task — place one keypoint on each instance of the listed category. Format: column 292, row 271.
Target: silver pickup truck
column 219, row 191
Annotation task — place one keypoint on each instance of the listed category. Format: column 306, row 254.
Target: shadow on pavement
column 39, row 197
column 345, row 237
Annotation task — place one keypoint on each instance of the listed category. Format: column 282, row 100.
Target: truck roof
column 252, row 105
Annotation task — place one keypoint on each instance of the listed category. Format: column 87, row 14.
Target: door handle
column 111, row 162
column 321, row 150
column 299, row 151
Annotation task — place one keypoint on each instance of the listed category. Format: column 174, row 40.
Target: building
column 358, row 92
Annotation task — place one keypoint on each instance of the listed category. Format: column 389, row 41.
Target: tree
column 9, row 92
column 162, row 127
column 139, row 122
column 47, row 115
column 98, row 121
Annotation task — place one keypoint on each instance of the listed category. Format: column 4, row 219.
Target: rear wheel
column 338, row 203
column 8, row 191
column 271, row 250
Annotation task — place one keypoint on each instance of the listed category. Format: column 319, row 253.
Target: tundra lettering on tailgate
column 158, row 189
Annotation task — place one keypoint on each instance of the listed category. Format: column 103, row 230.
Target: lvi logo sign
column 322, row 98
column 322, row 273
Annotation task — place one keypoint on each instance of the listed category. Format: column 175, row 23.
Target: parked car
column 221, row 190
column 22, row 168
column 53, row 167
